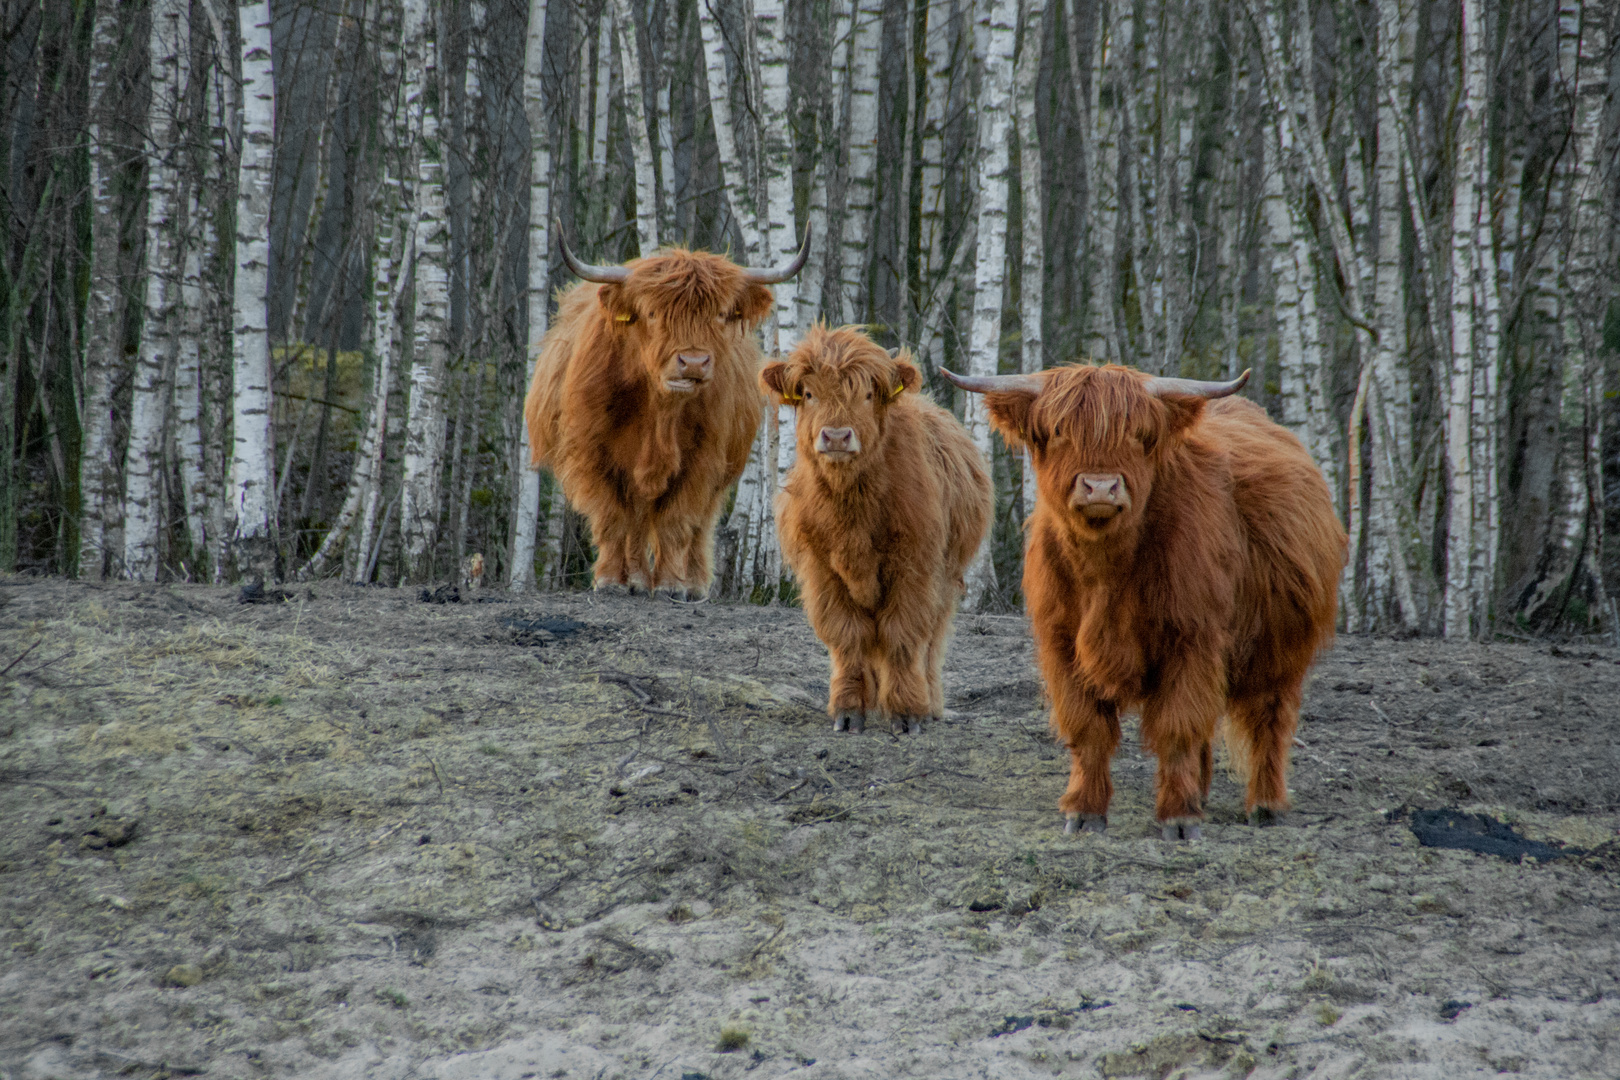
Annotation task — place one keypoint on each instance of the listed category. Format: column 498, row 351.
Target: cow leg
column 1090, row 729
column 1178, row 724
column 609, row 531
column 901, row 661
column 849, row 695
column 1266, row 722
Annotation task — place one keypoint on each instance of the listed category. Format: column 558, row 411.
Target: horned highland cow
column 1183, row 559
column 644, row 404
column 886, row 505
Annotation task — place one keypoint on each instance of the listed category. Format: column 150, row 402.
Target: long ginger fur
column 647, row 467
column 1212, row 593
column 878, row 541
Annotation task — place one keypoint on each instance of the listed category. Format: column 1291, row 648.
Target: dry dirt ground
column 358, row 835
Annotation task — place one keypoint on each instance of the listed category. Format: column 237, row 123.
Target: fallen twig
column 21, row 655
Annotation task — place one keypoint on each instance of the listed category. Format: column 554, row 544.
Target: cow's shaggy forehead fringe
column 1100, row 406
column 844, row 352
column 677, row 279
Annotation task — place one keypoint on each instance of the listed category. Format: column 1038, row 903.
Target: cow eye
column 869, row 395
column 806, row 395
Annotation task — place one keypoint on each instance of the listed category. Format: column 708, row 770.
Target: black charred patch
column 1481, row 833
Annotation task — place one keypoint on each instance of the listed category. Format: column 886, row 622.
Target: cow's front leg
column 1178, row 723
column 1089, row 727
column 610, row 532
column 904, row 631
column 850, row 635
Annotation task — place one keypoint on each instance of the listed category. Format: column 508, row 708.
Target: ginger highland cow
column 886, row 505
column 644, row 404
column 1183, row 559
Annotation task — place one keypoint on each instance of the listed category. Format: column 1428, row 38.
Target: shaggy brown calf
column 1183, row 559
column 885, row 507
column 644, row 404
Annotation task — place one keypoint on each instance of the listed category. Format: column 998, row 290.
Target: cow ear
column 774, row 378
column 1181, row 414
column 613, row 300
column 1010, row 414
column 755, row 303
column 906, row 377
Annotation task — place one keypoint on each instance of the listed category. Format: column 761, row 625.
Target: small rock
column 184, row 975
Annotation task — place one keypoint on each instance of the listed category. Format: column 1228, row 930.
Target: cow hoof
column 849, row 720
column 609, row 587
column 906, row 725
column 1086, row 823
column 1182, row 829
column 1261, row 816
column 680, row 594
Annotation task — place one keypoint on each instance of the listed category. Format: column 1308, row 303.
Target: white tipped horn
column 983, row 384
column 1162, row 386
column 607, row 275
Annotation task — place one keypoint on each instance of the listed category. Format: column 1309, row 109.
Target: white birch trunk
column 253, row 462
column 430, row 351
column 539, row 307
column 144, row 490
column 740, row 194
column 1104, row 323
column 932, row 230
column 104, row 314
column 1460, row 603
column 860, row 190
column 995, row 109
column 1587, row 209
column 776, row 152
column 192, row 328
column 1391, row 417
column 1032, row 276
column 641, row 146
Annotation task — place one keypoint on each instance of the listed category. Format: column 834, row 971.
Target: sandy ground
column 358, row 835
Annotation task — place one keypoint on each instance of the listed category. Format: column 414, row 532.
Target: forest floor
column 358, row 835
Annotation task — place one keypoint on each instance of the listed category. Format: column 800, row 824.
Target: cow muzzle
column 838, row 443
column 689, row 371
column 1100, row 497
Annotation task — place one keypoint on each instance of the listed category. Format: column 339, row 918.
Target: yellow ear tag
column 792, row 399
column 624, row 318
column 897, row 391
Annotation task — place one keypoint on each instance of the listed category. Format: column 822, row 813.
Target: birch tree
column 537, row 299
column 430, row 351
column 170, row 46
column 989, row 278
column 98, row 475
column 252, row 544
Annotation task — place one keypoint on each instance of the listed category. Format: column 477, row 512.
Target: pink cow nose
column 693, row 365
column 837, row 440
column 1100, row 496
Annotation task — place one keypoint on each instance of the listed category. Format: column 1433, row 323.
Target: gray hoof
column 906, row 725
column 609, row 587
column 1261, row 816
column 1182, row 829
column 1086, row 823
column 850, row 720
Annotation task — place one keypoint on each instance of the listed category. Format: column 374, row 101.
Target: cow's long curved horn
column 607, row 275
column 1162, row 386
column 778, row 274
column 982, row 384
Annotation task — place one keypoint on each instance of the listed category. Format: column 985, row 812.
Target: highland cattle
column 644, row 404
column 1183, row 559
column 886, row 504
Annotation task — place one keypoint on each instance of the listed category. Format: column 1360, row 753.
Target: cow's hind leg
column 1265, row 722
